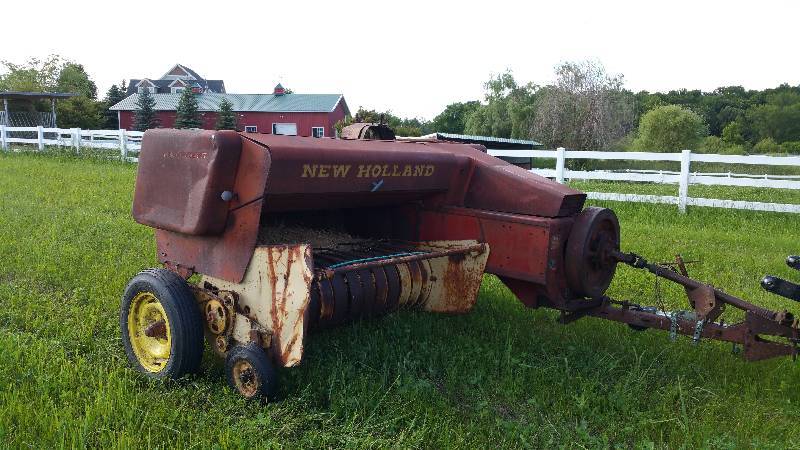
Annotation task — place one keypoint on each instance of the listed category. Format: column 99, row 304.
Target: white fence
column 683, row 178
column 127, row 143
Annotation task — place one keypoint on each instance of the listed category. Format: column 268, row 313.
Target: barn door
column 288, row 129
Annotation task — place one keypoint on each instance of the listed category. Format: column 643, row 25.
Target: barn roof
column 244, row 102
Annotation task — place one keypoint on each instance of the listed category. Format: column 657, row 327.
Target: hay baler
column 264, row 238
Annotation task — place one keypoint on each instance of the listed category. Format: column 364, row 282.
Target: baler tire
column 184, row 322
column 251, row 373
column 588, row 267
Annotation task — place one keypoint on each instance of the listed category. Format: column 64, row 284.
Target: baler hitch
column 707, row 303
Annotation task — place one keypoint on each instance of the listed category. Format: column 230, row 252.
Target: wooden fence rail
column 683, row 178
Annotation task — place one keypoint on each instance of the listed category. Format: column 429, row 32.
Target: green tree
column 670, row 128
column 778, row 118
column 73, row 78
column 145, row 117
column 733, row 133
column 54, row 74
column 80, row 112
column 187, row 115
column 454, row 117
column 227, row 118
column 585, row 108
column 35, row 75
column 114, row 95
column 507, row 111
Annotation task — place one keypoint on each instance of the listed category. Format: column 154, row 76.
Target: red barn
column 276, row 113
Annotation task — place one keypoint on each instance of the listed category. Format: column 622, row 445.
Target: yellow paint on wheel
column 246, row 379
column 149, row 332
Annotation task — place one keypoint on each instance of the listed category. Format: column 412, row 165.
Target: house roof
column 244, row 102
column 188, row 71
column 489, row 141
column 214, row 85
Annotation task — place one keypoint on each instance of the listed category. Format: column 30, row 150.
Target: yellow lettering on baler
column 309, row 170
column 340, row 170
column 367, row 170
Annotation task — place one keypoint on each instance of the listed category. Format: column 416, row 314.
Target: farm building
column 276, row 113
column 178, row 78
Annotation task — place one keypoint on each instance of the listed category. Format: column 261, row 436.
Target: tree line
column 583, row 107
column 586, row 108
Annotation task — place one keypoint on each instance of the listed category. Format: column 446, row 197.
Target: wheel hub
column 148, row 328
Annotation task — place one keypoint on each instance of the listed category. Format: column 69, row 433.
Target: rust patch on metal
column 157, row 330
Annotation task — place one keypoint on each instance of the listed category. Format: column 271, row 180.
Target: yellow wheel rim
column 149, row 332
column 246, row 378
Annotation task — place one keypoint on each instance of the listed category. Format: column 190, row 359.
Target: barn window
column 250, row 129
column 318, row 131
column 176, row 90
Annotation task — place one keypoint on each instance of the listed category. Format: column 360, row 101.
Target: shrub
column 792, row 147
column 767, row 145
column 713, row 144
column 670, row 128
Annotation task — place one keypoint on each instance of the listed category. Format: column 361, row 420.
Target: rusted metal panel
column 517, row 241
column 496, row 185
column 454, row 279
column 367, row 131
column 181, row 177
column 274, row 296
column 227, row 255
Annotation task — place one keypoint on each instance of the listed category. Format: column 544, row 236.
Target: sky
column 413, row 57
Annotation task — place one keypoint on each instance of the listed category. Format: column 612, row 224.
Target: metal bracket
column 698, row 331
column 673, row 325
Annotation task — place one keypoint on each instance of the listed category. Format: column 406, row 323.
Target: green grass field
column 502, row 376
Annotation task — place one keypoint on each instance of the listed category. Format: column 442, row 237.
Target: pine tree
column 227, row 118
column 187, row 116
column 114, row 95
column 145, row 113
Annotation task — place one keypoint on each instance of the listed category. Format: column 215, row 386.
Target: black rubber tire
column 594, row 233
column 265, row 373
column 185, row 321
